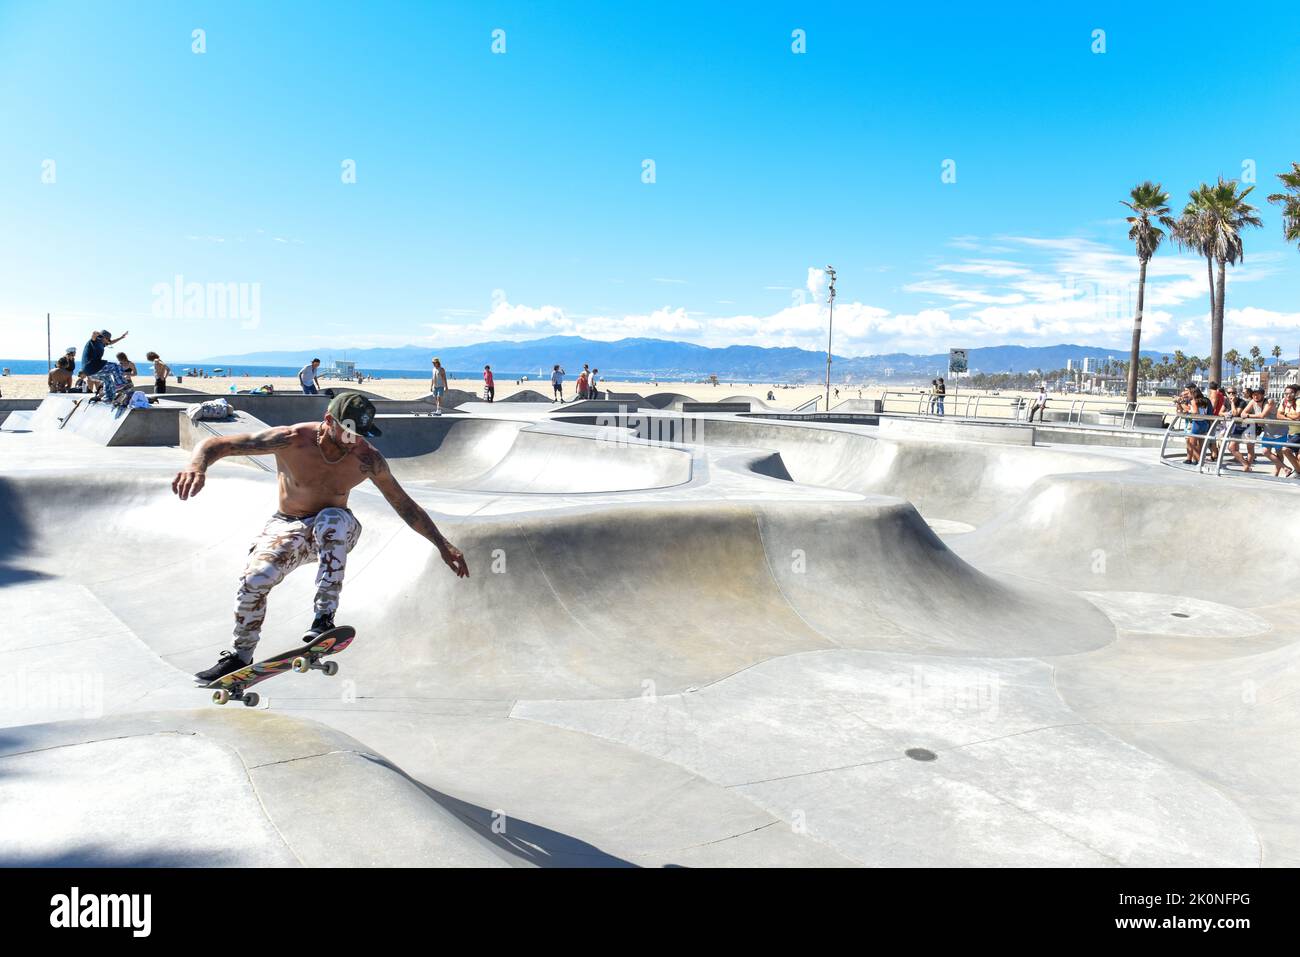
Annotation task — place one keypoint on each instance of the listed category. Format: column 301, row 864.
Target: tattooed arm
column 374, row 466
column 190, row 480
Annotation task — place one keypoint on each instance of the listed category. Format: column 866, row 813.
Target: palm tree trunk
column 1135, row 349
column 1216, row 329
column 1209, row 272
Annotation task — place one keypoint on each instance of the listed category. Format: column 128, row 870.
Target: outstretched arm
column 376, row 467
column 190, row 479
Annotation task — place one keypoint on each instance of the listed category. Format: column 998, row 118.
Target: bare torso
column 313, row 477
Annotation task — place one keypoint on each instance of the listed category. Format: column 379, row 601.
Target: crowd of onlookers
column 102, row 377
column 1241, row 423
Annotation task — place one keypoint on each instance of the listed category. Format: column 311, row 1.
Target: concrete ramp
column 76, row 797
column 102, row 424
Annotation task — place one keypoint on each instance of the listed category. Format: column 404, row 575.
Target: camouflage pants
column 112, row 378
column 285, row 543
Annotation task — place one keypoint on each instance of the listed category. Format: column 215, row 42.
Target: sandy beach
column 900, row 397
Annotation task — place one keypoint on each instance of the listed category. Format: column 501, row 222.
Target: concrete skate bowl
column 562, row 604
column 524, row 395
column 497, row 455
column 963, row 482
column 755, row 403
column 451, row 399
column 772, row 654
column 671, row 401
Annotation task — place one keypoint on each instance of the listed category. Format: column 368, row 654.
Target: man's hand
column 455, row 559
column 188, row 482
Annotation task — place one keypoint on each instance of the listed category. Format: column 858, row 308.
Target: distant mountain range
column 661, row 358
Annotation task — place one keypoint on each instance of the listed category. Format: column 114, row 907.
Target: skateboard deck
column 75, row 406
column 306, row 657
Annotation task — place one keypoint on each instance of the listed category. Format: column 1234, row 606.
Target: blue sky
column 501, row 195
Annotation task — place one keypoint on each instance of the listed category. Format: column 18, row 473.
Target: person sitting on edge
column 1040, row 404
column 60, row 377
column 129, row 371
column 308, row 378
column 93, row 367
column 438, row 385
column 319, row 463
column 161, row 371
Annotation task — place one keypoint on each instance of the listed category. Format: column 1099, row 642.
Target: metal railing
column 1222, row 430
column 967, row 405
column 809, row 406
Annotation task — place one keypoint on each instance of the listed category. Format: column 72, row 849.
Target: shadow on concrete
column 16, row 537
column 104, row 855
column 529, row 843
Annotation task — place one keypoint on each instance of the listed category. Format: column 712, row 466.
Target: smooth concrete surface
column 751, row 643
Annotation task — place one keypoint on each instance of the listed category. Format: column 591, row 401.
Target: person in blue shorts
column 308, row 379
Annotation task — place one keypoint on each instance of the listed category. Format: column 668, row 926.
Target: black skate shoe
column 322, row 624
column 228, row 662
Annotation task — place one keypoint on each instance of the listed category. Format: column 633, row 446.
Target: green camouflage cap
column 354, row 412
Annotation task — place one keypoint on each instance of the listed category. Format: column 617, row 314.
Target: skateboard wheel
column 251, row 700
column 301, row 665
column 330, row 668
column 220, row 697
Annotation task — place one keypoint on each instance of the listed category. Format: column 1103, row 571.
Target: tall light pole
column 830, row 329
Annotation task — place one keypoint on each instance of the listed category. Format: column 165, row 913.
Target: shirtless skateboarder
column 319, row 463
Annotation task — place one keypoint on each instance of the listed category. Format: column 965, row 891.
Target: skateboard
column 234, row 686
column 75, row 406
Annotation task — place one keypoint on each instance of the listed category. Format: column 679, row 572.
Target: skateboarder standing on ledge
column 319, row 463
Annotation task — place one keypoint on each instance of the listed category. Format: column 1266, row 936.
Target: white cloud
column 1050, row 290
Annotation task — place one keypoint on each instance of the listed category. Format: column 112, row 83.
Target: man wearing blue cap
column 319, row 463
column 93, row 365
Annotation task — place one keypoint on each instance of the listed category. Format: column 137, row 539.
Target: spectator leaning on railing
column 1272, row 437
column 1234, row 410
column 1284, row 440
column 1193, row 402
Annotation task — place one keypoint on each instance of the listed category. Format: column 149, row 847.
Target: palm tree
column 1290, row 203
column 1277, row 354
column 1227, row 213
column 1233, row 358
column 1192, row 232
column 1148, row 200
column 1211, row 225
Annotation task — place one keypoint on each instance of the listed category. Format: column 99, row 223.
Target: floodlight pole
column 830, row 329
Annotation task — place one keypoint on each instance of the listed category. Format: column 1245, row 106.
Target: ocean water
column 39, row 367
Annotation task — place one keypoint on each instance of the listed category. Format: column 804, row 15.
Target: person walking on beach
column 438, row 385
column 319, row 463
column 161, row 371
column 557, row 384
column 94, row 367
column 308, row 379
column 489, row 384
